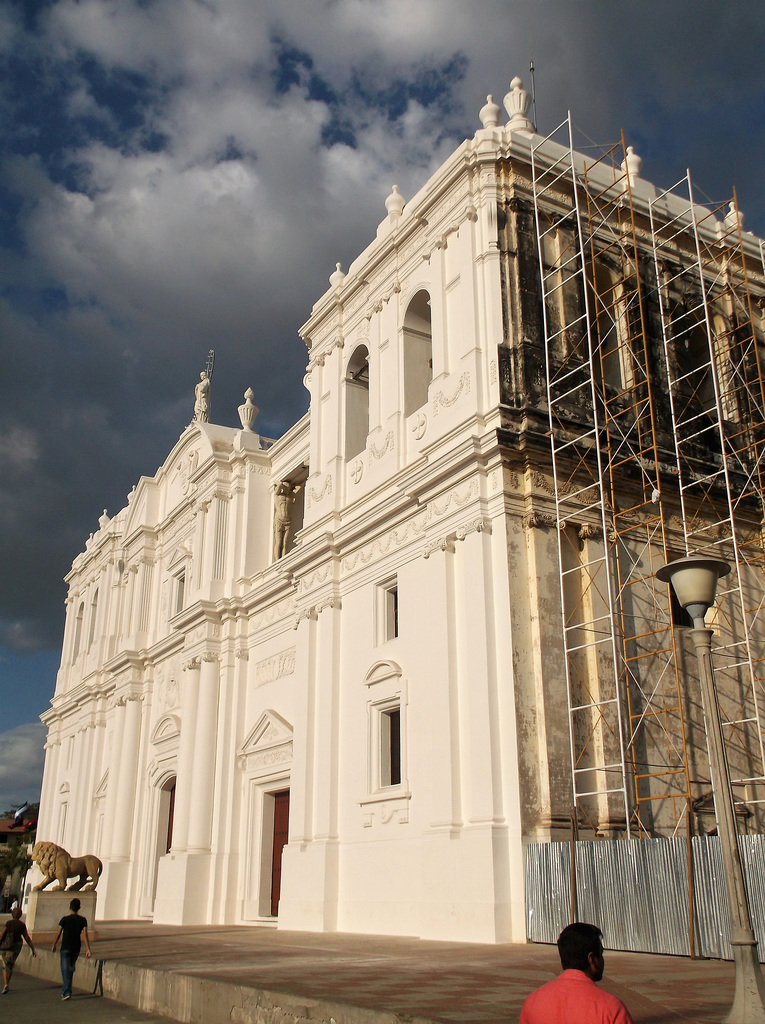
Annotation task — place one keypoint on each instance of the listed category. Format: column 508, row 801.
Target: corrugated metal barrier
column 636, row 891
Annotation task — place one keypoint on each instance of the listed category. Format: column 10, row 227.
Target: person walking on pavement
column 573, row 997
column 13, row 937
column 70, row 929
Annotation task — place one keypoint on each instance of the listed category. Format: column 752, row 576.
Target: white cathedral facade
column 320, row 681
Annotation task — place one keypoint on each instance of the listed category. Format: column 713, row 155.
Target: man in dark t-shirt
column 14, row 934
column 70, row 928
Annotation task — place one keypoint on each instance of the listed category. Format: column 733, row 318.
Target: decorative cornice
column 309, row 612
column 481, row 524
column 589, row 531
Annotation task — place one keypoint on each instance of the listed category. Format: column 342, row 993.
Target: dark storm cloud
column 21, row 764
column 179, row 176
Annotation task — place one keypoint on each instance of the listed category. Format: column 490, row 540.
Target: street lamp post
column 694, row 580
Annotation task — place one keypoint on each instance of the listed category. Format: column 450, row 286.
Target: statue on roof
column 202, row 398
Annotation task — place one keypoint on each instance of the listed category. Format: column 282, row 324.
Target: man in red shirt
column 573, row 997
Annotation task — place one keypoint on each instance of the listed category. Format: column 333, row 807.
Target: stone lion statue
column 57, row 866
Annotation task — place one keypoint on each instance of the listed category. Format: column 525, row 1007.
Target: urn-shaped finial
column 734, row 220
column 517, row 103
column 395, row 203
column 248, row 411
column 337, row 276
column 632, row 164
column 490, row 113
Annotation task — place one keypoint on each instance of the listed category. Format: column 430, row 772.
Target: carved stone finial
column 490, row 113
column 103, row 519
column 517, row 103
column 248, row 411
column 395, row 203
column 337, row 277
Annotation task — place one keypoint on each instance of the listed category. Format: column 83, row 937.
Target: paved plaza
column 206, row 975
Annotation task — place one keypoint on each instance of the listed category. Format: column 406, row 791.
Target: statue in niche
column 202, row 398
column 284, row 498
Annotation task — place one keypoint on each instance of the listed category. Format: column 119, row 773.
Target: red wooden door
column 170, row 817
column 281, row 835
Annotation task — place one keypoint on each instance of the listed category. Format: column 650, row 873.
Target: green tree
column 12, row 856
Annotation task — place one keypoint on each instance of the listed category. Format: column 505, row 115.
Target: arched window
column 611, row 330
column 93, row 614
column 357, row 402
column 695, row 363
column 418, row 353
column 78, row 630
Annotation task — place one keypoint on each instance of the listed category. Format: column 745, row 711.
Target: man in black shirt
column 14, row 934
column 69, row 930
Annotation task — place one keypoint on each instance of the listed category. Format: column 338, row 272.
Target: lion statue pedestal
column 45, row 909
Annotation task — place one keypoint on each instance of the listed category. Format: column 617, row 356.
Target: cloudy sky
column 180, row 175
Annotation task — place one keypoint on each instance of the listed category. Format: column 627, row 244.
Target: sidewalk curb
column 195, row 1000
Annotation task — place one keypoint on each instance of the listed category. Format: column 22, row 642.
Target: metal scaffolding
column 714, row 365
column 629, row 482
column 622, row 484
column 625, row 719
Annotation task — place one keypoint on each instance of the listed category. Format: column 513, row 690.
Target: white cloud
column 19, row 447
column 179, row 201
column 21, row 764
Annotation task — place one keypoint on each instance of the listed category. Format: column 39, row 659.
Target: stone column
column 310, row 865
column 480, row 754
column 443, row 740
column 183, row 783
column 126, row 779
column 49, row 784
column 326, row 724
column 203, row 773
column 200, row 526
column 110, row 819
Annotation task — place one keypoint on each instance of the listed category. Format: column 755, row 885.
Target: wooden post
column 574, row 838
column 689, row 846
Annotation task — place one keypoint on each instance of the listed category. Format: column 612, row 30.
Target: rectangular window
column 180, row 591
column 387, row 611
column 390, row 747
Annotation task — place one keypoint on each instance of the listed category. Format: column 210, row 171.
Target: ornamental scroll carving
column 378, row 453
column 385, row 810
column 535, row 520
column 415, row 527
column 441, row 400
column 312, row 495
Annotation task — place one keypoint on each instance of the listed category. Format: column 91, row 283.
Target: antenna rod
column 533, row 92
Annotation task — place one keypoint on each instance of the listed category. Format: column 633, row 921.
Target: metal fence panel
column 637, row 892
